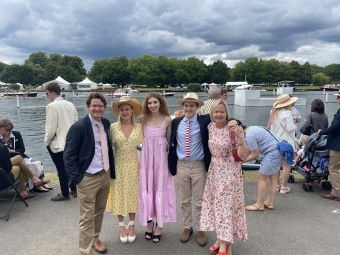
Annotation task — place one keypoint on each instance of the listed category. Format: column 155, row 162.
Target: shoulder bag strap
column 271, row 133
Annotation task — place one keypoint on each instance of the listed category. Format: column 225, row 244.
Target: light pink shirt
column 97, row 161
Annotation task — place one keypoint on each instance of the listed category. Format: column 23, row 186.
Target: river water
column 29, row 118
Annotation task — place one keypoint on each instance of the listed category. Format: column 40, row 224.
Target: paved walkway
column 302, row 223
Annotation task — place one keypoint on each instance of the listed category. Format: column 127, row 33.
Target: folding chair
column 13, row 185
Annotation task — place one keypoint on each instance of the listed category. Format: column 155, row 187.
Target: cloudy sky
column 229, row 30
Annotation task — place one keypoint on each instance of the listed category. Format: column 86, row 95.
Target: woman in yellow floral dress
column 126, row 136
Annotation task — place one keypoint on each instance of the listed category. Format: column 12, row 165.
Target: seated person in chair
column 13, row 140
column 16, row 168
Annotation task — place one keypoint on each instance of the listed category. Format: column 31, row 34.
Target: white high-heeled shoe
column 123, row 239
column 131, row 239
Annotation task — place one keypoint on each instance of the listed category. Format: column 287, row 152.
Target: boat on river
column 167, row 94
column 19, row 94
column 331, row 87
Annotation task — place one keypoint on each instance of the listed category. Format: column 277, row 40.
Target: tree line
column 150, row 70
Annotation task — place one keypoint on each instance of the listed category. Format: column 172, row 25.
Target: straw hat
column 191, row 97
column 284, row 100
column 137, row 107
column 337, row 94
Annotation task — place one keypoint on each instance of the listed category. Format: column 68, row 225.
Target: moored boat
column 19, row 94
column 331, row 87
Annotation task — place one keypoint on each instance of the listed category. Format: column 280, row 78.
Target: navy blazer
column 333, row 133
column 79, row 149
column 18, row 143
column 203, row 121
column 5, row 164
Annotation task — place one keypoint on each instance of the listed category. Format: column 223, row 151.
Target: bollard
column 326, row 97
column 18, row 105
column 324, row 91
column 73, row 93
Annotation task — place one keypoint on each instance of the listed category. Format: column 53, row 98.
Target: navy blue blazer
column 5, row 164
column 333, row 133
column 18, row 143
column 203, row 121
column 79, row 149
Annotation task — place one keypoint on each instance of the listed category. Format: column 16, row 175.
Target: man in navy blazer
column 333, row 144
column 189, row 158
column 85, row 158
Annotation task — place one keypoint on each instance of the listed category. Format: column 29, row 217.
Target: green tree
column 218, row 72
column 254, row 70
column 320, row 79
column 73, row 61
column 96, row 71
column 194, row 87
column 18, row 73
column 306, row 74
column 2, row 67
column 333, row 72
column 195, row 68
column 239, row 72
column 296, row 72
column 143, row 70
column 115, row 70
column 54, row 58
column 316, row 69
column 181, row 76
column 68, row 73
column 50, row 72
column 38, row 58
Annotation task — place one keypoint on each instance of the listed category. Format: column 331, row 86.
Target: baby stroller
column 314, row 165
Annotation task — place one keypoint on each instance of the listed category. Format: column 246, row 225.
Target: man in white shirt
column 60, row 115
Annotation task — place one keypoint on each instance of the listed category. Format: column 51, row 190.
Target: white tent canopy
column 62, row 83
column 2, row 83
column 86, row 84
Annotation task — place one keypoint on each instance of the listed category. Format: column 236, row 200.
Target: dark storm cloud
column 225, row 29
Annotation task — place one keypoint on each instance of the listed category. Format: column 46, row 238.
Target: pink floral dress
column 223, row 199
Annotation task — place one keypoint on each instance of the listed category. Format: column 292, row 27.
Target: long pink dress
column 223, row 207
column 156, row 195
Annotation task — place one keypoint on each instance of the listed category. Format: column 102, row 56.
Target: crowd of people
column 98, row 162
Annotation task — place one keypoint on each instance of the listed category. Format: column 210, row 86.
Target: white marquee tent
column 63, row 83
column 86, row 84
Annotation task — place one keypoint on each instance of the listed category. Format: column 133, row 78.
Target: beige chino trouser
column 191, row 177
column 92, row 193
column 334, row 171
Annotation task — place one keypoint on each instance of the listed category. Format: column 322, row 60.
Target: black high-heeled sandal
column 149, row 235
column 156, row 236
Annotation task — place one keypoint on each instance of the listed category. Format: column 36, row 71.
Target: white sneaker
column 284, row 190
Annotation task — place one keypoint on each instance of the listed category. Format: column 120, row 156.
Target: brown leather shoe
column 29, row 195
column 99, row 247
column 331, row 197
column 59, row 197
column 185, row 235
column 201, row 238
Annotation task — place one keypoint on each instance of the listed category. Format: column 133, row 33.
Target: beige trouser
column 191, row 178
column 334, row 171
column 92, row 194
column 20, row 171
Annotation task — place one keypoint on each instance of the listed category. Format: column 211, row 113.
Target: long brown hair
column 163, row 108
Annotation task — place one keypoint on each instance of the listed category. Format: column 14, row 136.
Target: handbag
column 234, row 147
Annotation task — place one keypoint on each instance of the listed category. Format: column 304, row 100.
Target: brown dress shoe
column 201, row 238
column 29, row 195
column 185, row 235
column 99, row 247
column 331, row 197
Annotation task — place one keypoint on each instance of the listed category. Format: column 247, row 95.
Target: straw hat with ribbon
column 137, row 107
column 337, row 94
column 191, row 97
column 284, row 100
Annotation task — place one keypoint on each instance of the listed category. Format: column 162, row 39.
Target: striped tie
column 187, row 141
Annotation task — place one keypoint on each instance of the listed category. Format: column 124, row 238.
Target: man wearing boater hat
column 189, row 158
column 333, row 144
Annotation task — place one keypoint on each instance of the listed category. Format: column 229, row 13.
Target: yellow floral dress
column 123, row 195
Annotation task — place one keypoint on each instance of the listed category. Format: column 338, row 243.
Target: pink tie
column 187, row 140
column 103, row 144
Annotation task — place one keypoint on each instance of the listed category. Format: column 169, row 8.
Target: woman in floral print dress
column 223, row 199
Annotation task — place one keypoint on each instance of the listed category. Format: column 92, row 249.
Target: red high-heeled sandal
column 224, row 252
column 213, row 249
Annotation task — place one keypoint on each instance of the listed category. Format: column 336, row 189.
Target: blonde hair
column 132, row 116
column 304, row 139
column 276, row 110
column 215, row 104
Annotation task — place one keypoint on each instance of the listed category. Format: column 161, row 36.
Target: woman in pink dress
column 223, row 209
column 156, row 195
